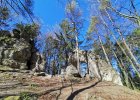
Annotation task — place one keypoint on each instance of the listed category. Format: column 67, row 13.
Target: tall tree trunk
column 126, row 55
column 77, row 54
column 124, row 73
column 67, row 56
column 121, row 66
column 124, row 42
column 120, row 46
column 131, row 54
column 101, row 43
column 127, row 77
column 132, row 83
column 86, row 55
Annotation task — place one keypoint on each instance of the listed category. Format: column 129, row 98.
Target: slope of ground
column 46, row 88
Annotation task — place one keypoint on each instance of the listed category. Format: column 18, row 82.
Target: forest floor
column 45, row 88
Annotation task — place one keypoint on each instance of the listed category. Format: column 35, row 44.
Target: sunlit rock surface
column 71, row 71
column 17, row 52
column 97, row 67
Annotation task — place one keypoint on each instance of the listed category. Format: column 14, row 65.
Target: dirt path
column 93, row 90
column 13, row 84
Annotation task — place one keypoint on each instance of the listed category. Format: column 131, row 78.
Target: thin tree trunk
column 120, row 46
column 131, row 54
column 132, row 83
column 126, row 55
column 86, row 55
column 124, row 42
column 67, row 56
column 121, row 66
column 127, row 77
column 77, row 54
column 106, row 56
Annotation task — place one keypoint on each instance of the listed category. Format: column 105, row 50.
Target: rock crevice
column 16, row 52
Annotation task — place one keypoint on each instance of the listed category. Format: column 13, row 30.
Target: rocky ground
column 23, row 85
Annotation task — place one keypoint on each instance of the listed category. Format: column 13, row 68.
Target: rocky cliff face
column 108, row 73
column 97, row 68
column 17, row 52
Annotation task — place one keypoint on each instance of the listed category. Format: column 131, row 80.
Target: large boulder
column 93, row 68
column 14, row 64
column 22, row 56
column 108, row 73
column 100, row 69
column 97, row 68
column 11, row 63
column 18, row 53
column 73, row 57
column 71, row 71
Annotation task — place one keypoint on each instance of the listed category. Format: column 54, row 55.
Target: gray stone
column 108, row 73
column 8, row 53
column 11, row 63
column 14, row 64
column 22, row 55
column 18, row 53
column 97, row 68
column 93, row 68
column 16, row 56
column 71, row 71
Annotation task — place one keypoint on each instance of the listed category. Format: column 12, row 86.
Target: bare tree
column 74, row 15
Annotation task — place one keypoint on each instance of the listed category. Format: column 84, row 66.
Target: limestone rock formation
column 16, row 52
column 93, row 68
column 71, row 71
column 108, row 73
column 96, row 67
column 100, row 69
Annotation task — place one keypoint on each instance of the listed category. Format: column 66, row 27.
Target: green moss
column 5, row 67
column 24, row 96
column 7, row 40
column 27, row 96
column 12, row 98
column 34, row 85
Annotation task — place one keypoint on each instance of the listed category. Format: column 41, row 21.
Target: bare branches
column 19, row 7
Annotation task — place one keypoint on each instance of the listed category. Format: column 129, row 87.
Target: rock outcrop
column 16, row 52
column 108, row 73
column 96, row 67
column 71, row 71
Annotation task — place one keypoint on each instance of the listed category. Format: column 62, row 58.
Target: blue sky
column 49, row 12
column 52, row 12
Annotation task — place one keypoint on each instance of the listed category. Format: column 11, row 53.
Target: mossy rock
column 12, row 98
column 22, row 96
column 5, row 68
column 7, row 40
column 27, row 96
